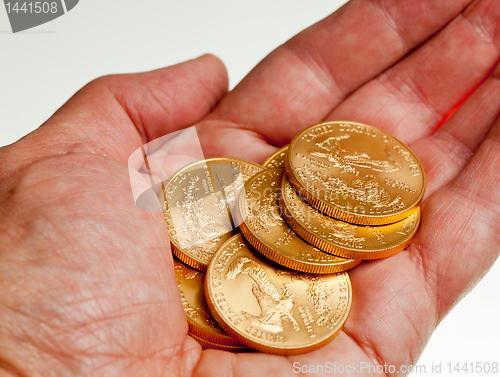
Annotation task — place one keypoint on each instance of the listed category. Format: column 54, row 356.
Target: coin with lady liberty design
column 355, row 173
column 199, row 205
column 200, row 322
column 270, row 308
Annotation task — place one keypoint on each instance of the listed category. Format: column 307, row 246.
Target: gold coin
column 341, row 238
column 262, row 224
column 277, row 159
column 205, row 344
column 200, row 321
column 270, row 308
column 355, row 173
column 199, row 203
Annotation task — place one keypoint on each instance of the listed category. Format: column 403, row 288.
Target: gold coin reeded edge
column 194, row 328
column 184, row 257
column 353, row 218
column 271, row 160
column 283, row 351
column 342, row 251
column 226, row 341
column 206, row 344
column 294, row 264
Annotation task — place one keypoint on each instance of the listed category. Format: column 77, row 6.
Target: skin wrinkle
column 441, row 276
column 57, row 363
column 47, row 204
column 455, row 149
column 365, row 345
column 9, row 370
column 205, row 127
column 313, row 62
column 408, row 91
column 392, row 301
column 394, row 296
column 416, row 255
column 102, row 85
column 56, row 145
column 477, row 22
column 117, row 355
column 421, row 341
column 137, row 116
column 443, row 308
column 436, row 273
column 391, row 20
column 475, row 198
column 191, row 353
column 34, row 167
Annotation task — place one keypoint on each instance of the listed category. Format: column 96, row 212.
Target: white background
column 42, row 67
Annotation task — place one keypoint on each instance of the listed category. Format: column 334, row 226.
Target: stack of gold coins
column 352, row 190
column 275, row 240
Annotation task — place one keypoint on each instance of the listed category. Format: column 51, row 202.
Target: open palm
column 87, row 277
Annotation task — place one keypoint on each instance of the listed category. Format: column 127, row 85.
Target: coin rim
column 327, row 208
column 282, row 350
column 207, row 344
column 272, row 157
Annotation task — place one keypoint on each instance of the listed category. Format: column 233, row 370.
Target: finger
column 411, row 99
column 118, row 114
column 445, row 153
column 162, row 101
column 459, row 237
column 452, row 250
column 300, row 82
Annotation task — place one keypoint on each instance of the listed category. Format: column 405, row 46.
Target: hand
column 87, row 278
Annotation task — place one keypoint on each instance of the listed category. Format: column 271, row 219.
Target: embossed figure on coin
column 348, row 158
column 319, row 294
column 182, row 272
column 344, row 231
column 203, row 230
column 229, row 193
column 365, row 191
column 275, row 306
column 208, row 319
column 265, row 213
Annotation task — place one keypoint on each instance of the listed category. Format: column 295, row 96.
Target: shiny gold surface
column 355, row 173
column 263, row 226
column 200, row 321
column 198, row 204
column 205, row 344
column 270, row 308
column 277, row 159
column 344, row 239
